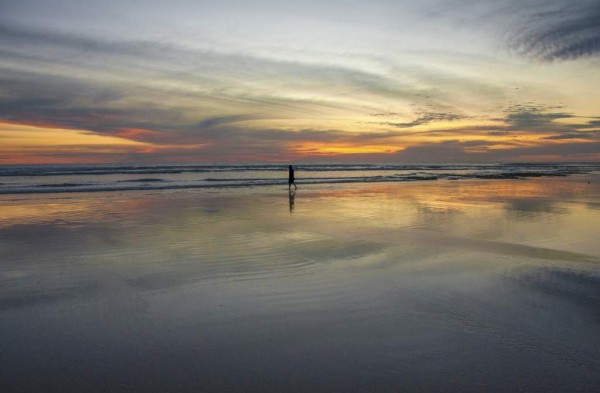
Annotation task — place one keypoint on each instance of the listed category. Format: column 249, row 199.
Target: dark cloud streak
column 426, row 118
column 535, row 117
column 558, row 30
column 545, row 30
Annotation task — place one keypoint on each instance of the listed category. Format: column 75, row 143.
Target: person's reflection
column 292, row 196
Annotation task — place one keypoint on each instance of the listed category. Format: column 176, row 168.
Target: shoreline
column 66, row 189
column 50, row 180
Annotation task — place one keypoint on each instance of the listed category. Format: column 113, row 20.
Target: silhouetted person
column 291, row 179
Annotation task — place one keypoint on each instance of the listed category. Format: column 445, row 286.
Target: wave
column 69, row 170
column 145, row 180
column 343, row 174
column 66, row 185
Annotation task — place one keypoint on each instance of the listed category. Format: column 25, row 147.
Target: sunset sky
column 279, row 81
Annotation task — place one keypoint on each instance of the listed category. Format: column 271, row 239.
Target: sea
column 31, row 179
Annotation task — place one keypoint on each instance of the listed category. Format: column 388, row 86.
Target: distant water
column 54, row 178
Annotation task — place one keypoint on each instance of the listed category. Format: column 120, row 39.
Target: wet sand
column 487, row 285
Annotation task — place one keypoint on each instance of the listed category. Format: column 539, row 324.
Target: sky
column 194, row 81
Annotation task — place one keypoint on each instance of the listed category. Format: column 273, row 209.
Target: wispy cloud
column 558, row 30
column 426, row 118
column 591, row 124
column 535, row 117
column 545, row 30
column 588, row 135
column 53, row 74
column 221, row 120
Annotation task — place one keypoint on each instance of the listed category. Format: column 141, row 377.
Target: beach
column 451, row 285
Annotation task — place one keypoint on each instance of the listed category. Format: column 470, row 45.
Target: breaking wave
column 53, row 179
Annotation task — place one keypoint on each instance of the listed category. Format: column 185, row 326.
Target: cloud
column 546, row 30
column 426, row 118
column 485, row 151
column 176, row 98
column 529, row 118
column 221, row 120
column 594, row 124
column 557, row 30
column 589, row 135
column 447, row 151
column 535, row 117
column 62, row 77
column 427, row 111
column 385, row 114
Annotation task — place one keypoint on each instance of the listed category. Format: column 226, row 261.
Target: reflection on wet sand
column 292, row 197
column 438, row 286
column 576, row 286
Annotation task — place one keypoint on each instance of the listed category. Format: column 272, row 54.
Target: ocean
column 88, row 178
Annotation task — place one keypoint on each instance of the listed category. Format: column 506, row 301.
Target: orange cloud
column 323, row 148
column 138, row 133
column 28, row 144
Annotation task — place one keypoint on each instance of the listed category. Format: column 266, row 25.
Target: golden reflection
column 292, row 199
column 44, row 209
column 30, row 212
column 468, row 190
